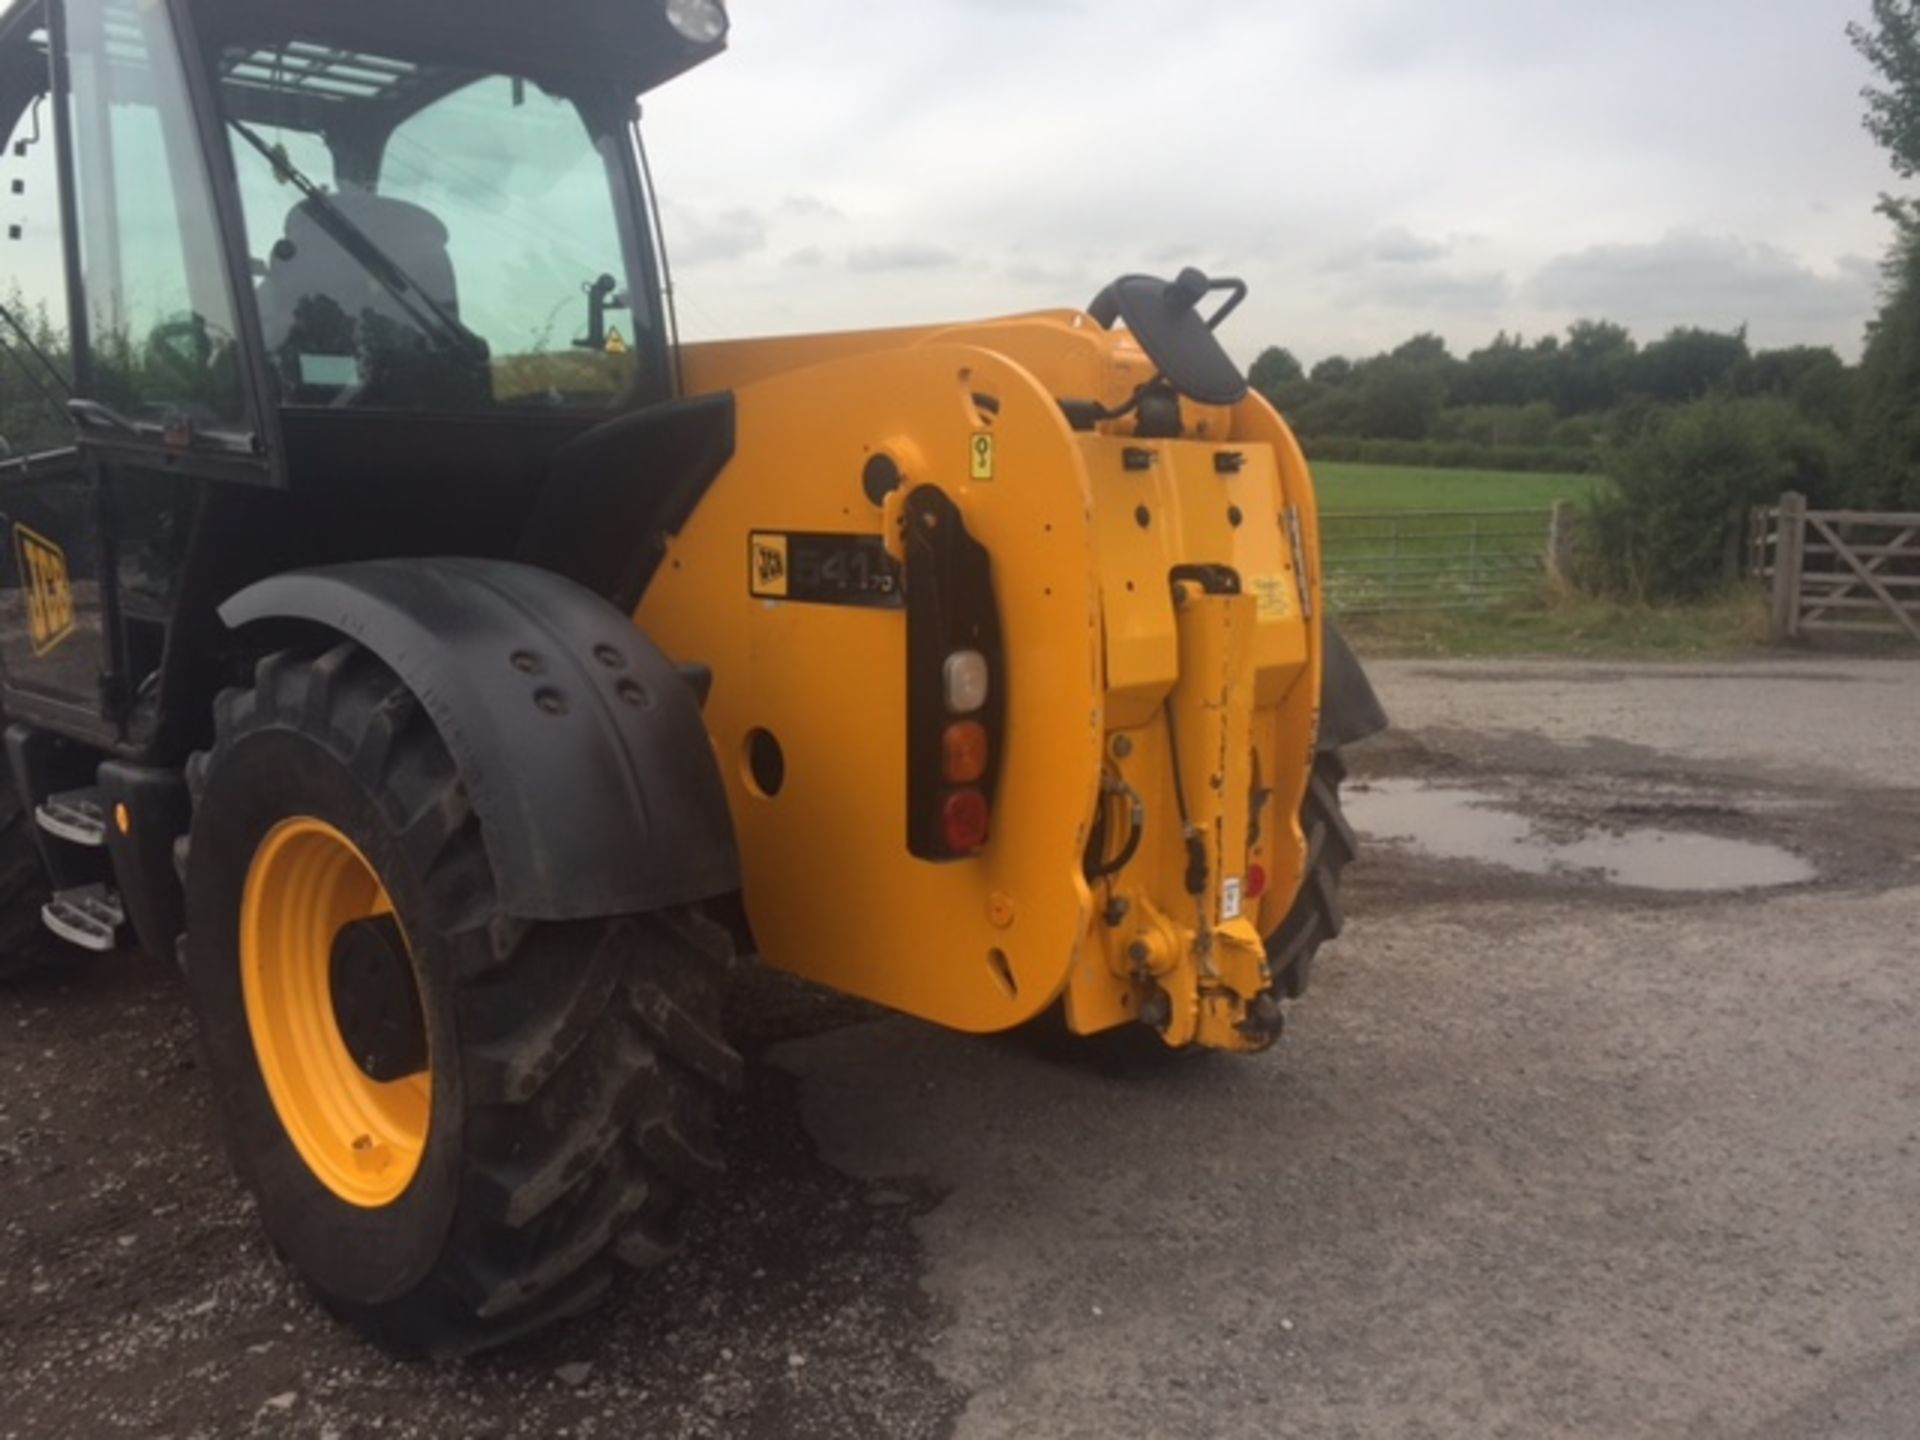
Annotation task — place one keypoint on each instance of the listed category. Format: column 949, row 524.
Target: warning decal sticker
column 985, row 460
column 1276, row 596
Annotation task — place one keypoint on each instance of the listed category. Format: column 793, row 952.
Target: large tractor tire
column 1317, row 917
column 456, row 1123
column 23, row 886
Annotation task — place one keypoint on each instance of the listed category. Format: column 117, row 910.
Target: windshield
column 428, row 237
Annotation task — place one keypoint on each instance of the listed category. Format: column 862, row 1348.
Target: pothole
column 1475, row 826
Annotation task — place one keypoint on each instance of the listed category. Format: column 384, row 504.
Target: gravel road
column 1541, row 1154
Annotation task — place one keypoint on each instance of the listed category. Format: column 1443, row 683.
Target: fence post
column 1560, row 543
column 1789, row 562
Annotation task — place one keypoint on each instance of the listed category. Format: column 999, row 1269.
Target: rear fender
column 580, row 745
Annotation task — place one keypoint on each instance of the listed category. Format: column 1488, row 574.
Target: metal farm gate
column 1375, row 562
column 1840, row 571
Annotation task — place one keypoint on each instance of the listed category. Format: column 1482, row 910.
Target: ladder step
column 79, row 817
column 91, row 917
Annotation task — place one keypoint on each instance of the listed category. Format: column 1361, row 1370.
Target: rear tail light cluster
column 966, row 753
column 956, row 704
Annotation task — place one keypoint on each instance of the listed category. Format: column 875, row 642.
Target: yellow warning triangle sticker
column 616, row 342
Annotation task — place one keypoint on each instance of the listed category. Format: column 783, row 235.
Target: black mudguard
column 1350, row 711
column 580, row 745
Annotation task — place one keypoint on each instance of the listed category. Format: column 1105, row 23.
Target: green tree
column 1507, row 372
column 1689, row 364
column 1275, row 368
column 1891, row 44
column 1593, row 370
column 1673, row 525
column 1399, row 401
column 1886, row 436
column 1334, row 370
column 1813, row 377
column 1886, row 450
column 1425, row 349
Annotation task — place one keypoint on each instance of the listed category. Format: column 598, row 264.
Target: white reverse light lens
column 967, row 682
column 702, row 21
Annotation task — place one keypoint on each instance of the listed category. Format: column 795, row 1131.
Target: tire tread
column 591, row 1051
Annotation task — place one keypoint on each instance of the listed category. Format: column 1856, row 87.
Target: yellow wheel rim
column 361, row 1137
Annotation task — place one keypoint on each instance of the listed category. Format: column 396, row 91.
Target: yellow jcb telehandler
column 454, row 672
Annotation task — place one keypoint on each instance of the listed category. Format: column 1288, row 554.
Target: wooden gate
column 1841, row 571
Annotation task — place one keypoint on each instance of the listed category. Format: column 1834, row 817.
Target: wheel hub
column 375, row 1002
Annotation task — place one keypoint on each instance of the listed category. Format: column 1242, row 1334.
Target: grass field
column 1560, row 624
column 1536, row 618
column 1387, row 487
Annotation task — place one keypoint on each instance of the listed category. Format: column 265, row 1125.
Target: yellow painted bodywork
column 1103, row 647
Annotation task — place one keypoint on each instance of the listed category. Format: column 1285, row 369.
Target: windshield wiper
column 429, row 314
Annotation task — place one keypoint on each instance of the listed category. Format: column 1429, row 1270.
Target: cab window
column 160, row 325
column 36, row 352
column 426, row 237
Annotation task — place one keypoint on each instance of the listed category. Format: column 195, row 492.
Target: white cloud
column 701, row 239
column 1400, row 246
column 900, row 255
column 1374, row 169
column 1716, row 281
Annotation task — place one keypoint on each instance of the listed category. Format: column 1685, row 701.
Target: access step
column 91, row 917
column 79, row 817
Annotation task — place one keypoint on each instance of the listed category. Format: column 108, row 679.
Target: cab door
column 53, row 634
column 161, row 385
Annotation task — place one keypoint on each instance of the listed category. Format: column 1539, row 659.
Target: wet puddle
column 1455, row 824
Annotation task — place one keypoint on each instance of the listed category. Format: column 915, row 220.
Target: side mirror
column 602, row 295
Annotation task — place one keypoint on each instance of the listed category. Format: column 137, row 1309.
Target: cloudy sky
column 1373, row 167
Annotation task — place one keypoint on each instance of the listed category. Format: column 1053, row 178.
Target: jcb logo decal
column 48, row 586
column 771, row 575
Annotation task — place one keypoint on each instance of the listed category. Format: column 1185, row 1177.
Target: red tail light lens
column 964, row 753
column 965, row 820
column 1256, row 881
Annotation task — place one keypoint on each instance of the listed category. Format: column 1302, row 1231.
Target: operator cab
column 388, row 260
column 437, row 236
